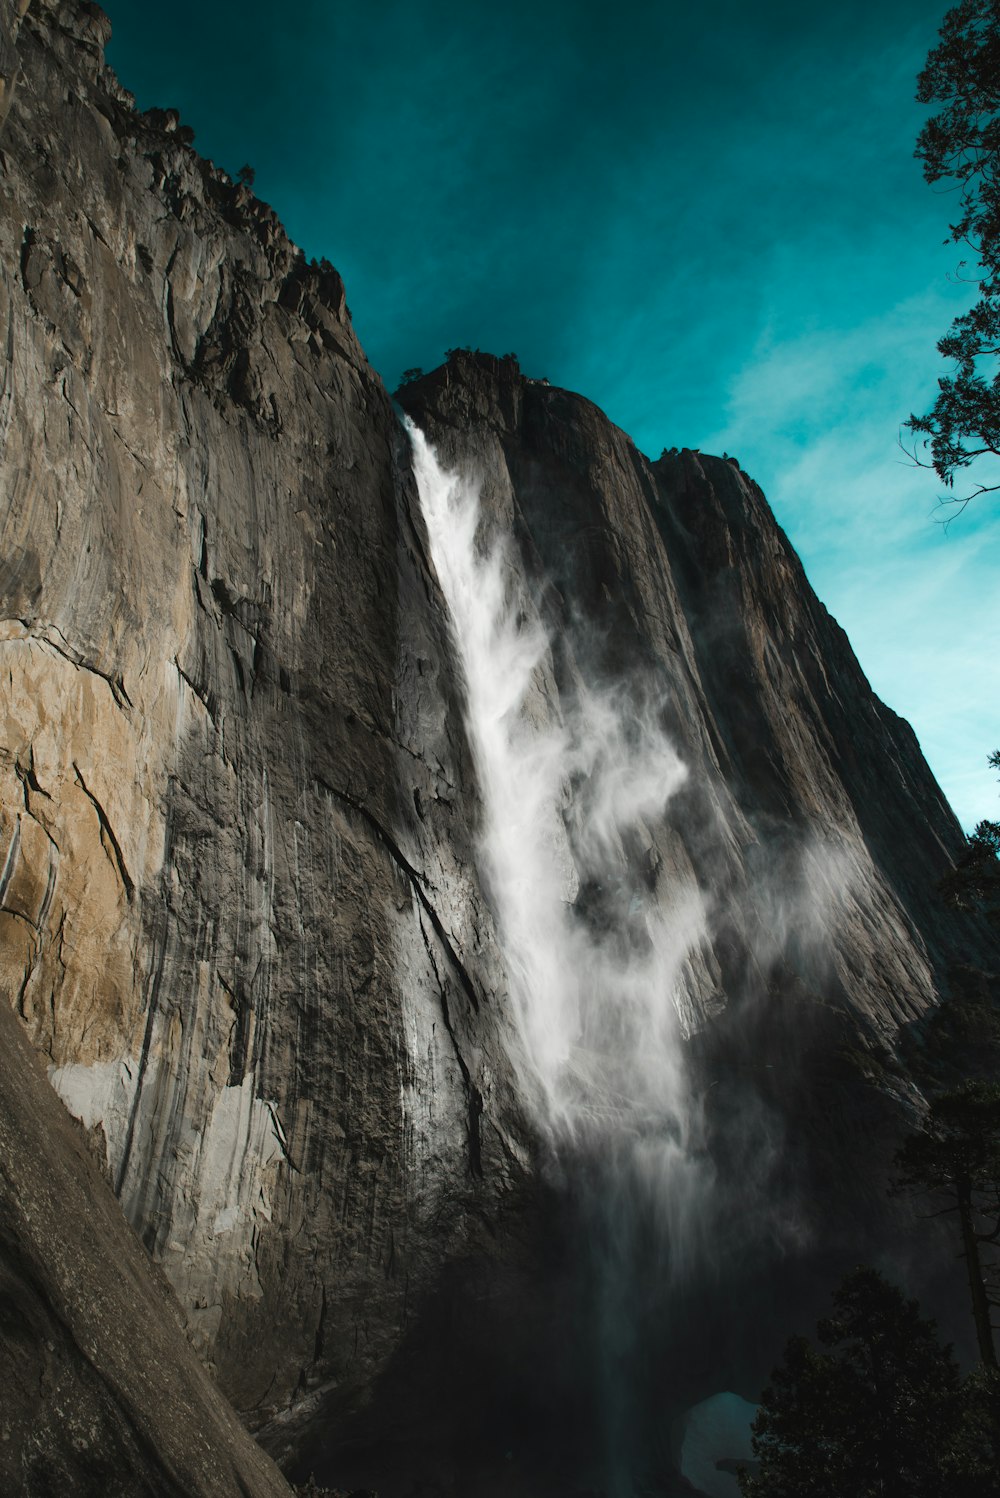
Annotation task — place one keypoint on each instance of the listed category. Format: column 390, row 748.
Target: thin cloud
column 813, row 417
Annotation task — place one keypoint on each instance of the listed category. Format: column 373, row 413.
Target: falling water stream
column 596, row 953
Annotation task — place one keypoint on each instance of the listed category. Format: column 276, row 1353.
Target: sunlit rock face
column 239, row 915
column 260, row 911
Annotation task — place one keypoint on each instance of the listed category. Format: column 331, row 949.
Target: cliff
column 252, row 967
column 807, row 792
column 243, row 913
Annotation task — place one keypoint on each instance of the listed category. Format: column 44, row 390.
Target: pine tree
column 875, row 1412
column 955, row 1160
column 960, row 145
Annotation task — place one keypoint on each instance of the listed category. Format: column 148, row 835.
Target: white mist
column 595, row 999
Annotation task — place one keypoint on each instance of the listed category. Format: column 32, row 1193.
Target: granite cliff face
column 241, row 913
column 809, row 827
column 253, row 966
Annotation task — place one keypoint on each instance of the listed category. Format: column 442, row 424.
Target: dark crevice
column 108, row 831
column 96, row 231
column 417, row 880
column 207, row 699
column 29, row 781
column 116, row 683
column 318, row 1339
column 28, row 242
column 475, row 1097
column 226, row 600
column 240, row 677
column 18, row 915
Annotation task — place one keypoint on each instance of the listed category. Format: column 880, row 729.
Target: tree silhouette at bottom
column 875, row 1412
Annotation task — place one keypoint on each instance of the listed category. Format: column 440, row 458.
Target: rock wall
column 238, row 912
column 809, row 826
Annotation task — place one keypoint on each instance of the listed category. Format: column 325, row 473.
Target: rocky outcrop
column 240, row 913
column 102, row 1391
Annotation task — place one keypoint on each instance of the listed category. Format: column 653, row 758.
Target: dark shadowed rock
column 810, row 823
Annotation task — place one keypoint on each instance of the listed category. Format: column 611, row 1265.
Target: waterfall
column 570, row 790
column 576, row 787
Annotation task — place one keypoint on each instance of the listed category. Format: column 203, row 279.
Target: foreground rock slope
column 240, row 914
column 102, row 1391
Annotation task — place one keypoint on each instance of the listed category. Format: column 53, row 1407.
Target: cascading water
column 573, row 794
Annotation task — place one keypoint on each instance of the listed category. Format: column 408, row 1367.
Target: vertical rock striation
column 238, row 911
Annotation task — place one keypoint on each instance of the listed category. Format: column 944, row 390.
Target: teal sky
column 707, row 218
